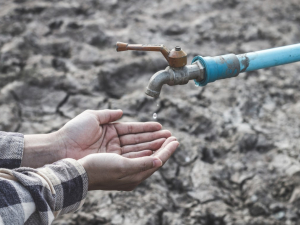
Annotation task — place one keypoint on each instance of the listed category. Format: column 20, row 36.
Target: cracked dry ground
column 238, row 162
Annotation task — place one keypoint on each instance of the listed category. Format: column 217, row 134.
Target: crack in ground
column 20, row 114
column 64, row 101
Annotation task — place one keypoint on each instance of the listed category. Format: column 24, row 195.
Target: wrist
column 41, row 149
column 84, row 164
column 60, row 144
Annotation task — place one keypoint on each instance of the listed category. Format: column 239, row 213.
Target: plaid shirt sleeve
column 11, row 150
column 38, row 196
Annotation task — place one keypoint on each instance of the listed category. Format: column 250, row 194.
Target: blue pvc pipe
column 226, row 66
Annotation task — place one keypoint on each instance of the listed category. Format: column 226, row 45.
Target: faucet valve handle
column 121, row 46
column 176, row 57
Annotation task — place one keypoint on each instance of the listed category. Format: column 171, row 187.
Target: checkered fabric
column 37, row 196
column 11, row 150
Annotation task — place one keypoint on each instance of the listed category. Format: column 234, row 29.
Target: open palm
column 94, row 132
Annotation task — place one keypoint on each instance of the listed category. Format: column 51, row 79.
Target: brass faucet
column 177, row 73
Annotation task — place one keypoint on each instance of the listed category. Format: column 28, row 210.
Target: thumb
column 141, row 164
column 107, row 116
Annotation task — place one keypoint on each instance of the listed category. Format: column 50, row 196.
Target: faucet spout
column 156, row 82
column 174, row 76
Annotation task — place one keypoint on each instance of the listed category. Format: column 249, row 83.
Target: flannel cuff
column 70, row 184
column 11, row 149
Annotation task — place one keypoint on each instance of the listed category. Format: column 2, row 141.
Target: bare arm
column 41, row 149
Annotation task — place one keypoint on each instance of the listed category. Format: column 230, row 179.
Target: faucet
column 177, row 73
column 204, row 70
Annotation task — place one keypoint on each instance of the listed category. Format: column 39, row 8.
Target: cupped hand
column 115, row 172
column 93, row 131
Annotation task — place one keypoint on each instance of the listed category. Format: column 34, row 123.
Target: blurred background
column 238, row 162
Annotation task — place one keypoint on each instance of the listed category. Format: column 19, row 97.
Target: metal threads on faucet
column 177, row 48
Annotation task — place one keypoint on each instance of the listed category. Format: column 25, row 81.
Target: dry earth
column 238, row 162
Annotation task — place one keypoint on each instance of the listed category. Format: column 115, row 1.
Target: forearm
column 41, row 149
column 37, row 196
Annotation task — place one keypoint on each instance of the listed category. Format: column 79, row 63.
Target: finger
column 143, row 137
column 165, row 153
column 137, row 165
column 136, row 127
column 153, row 145
column 138, row 154
column 107, row 116
column 169, row 139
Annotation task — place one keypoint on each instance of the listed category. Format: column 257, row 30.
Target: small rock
column 280, row 215
column 258, row 209
column 175, row 29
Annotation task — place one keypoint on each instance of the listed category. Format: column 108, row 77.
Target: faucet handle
column 121, row 46
column 176, row 57
column 139, row 47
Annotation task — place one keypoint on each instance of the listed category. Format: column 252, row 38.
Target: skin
column 83, row 135
column 93, row 131
column 130, row 152
column 114, row 172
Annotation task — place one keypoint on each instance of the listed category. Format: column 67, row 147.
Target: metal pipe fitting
column 174, row 76
column 230, row 65
column 177, row 73
column 208, row 69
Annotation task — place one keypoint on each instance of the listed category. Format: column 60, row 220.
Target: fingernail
column 157, row 163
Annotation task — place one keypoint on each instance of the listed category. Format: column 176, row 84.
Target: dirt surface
column 238, row 162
